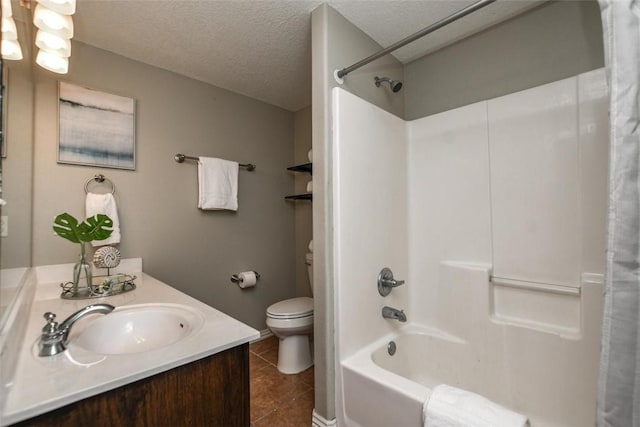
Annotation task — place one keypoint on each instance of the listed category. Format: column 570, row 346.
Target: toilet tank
column 309, row 262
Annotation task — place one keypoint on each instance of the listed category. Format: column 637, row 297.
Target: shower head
column 395, row 85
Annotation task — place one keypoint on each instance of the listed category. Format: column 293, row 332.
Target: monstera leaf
column 94, row 228
column 99, row 227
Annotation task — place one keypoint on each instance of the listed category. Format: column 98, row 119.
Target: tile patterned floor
column 278, row 400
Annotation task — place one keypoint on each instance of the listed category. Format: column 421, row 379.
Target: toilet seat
column 294, row 308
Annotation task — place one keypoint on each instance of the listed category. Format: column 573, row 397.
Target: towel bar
column 99, row 178
column 180, row 158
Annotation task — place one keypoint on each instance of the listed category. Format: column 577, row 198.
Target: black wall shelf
column 307, row 168
column 307, row 196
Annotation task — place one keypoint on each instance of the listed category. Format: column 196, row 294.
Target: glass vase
column 82, row 274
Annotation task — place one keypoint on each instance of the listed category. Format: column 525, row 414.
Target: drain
column 391, row 348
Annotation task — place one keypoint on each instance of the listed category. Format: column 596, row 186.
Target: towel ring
column 99, row 178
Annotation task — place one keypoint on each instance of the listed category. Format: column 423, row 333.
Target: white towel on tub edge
column 449, row 406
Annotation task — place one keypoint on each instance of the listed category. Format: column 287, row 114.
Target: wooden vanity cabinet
column 213, row 391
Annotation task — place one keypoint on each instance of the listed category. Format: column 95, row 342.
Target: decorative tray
column 102, row 286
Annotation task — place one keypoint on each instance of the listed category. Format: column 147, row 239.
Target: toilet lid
column 291, row 308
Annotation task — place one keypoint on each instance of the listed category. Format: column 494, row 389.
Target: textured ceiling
column 262, row 49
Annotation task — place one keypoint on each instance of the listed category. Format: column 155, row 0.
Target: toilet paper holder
column 237, row 279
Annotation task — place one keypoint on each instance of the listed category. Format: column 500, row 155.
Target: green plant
column 98, row 227
column 95, row 228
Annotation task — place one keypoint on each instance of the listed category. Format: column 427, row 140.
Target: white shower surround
column 436, row 200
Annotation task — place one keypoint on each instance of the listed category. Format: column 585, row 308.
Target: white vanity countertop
column 42, row 384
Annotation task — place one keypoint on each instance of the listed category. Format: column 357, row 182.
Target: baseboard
column 320, row 421
column 264, row 334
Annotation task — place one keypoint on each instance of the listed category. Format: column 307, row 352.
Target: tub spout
column 392, row 313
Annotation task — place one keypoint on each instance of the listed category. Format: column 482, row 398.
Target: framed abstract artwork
column 95, row 128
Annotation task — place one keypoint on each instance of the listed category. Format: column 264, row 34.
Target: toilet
column 291, row 321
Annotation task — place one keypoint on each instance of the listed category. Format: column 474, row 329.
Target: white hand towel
column 217, row 184
column 104, row 204
column 452, row 407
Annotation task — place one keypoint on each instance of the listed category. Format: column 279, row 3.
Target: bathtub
column 384, row 390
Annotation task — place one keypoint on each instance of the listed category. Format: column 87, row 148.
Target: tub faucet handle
column 386, row 282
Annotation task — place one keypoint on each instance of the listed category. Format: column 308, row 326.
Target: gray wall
column 195, row 251
column 17, row 165
column 303, row 221
column 336, row 43
column 548, row 43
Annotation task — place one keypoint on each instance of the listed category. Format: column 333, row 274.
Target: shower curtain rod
column 431, row 28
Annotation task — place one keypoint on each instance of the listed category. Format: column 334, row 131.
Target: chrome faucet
column 386, row 282
column 392, row 313
column 54, row 338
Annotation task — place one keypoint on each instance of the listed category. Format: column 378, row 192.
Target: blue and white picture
column 96, row 128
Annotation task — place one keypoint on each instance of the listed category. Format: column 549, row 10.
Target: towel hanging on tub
column 217, row 184
column 449, row 406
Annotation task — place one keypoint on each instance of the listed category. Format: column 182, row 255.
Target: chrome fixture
column 386, row 282
column 180, row 158
column 395, row 85
column 392, row 313
column 391, row 348
column 54, row 338
column 100, row 179
column 235, row 278
column 339, row 74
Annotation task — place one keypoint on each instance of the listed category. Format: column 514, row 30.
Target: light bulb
column 9, row 30
column 6, row 8
column 53, row 22
column 11, row 50
column 65, row 7
column 52, row 62
column 53, row 44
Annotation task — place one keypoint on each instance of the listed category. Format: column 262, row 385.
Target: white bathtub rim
column 363, row 364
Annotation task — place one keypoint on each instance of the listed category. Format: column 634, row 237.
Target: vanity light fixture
column 53, row 18
column 52, row 62
column 53, row 44
column 11, row 50
column 9, row 30
column 64, row 7
column 53, row 22
column 10, row 47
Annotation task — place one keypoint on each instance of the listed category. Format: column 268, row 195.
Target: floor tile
column 296, row 412
column 307, row 376
column 269, row 381
column 270, row 389
column 271, row 355
column 256, row 363
column 277, row 399
column 264, row 345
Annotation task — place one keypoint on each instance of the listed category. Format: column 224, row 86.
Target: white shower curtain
column 619, row 384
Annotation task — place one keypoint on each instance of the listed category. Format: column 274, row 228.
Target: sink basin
column 138, row 328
